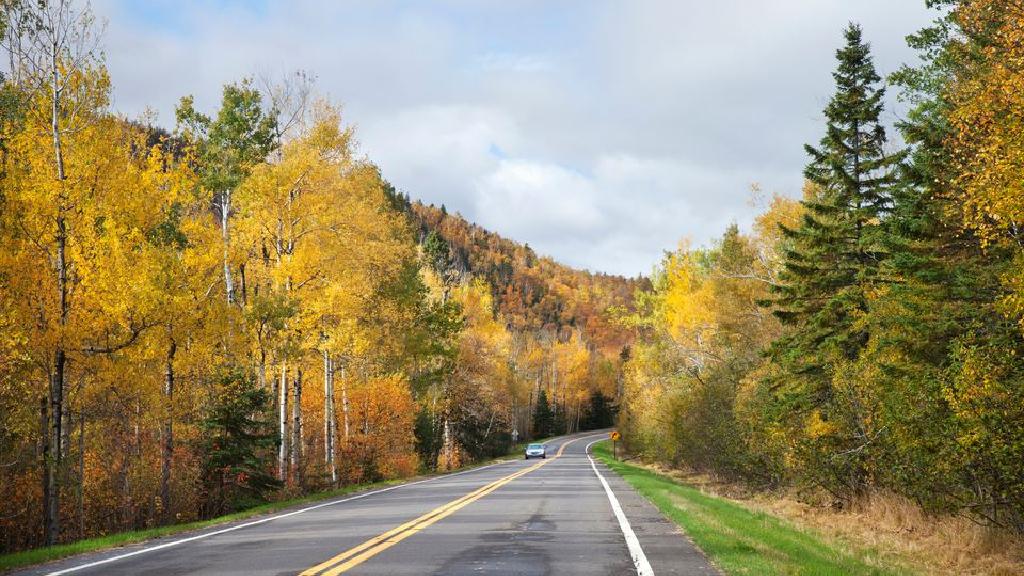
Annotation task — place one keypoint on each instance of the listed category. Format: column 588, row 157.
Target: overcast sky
column 601, row 133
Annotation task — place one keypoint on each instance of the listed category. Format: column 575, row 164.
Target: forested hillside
column 238, row 308
column 533, row 293
column 866, row 339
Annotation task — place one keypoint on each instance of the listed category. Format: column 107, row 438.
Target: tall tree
column 543, row 417
column 833, row 262
column 949, row 345
column 241, row 136
column 53, row 46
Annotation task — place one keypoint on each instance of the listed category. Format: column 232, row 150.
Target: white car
column 536, row 451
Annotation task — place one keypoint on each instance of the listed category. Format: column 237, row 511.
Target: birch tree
column 52, row 46
column 228, row 146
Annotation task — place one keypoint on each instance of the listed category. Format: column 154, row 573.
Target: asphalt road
column 555, row 516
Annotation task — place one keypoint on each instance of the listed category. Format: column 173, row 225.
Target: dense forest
column 239, row 308
column 867, row 338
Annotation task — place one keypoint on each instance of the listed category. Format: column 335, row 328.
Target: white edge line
column 264, row 520
column 643, row 567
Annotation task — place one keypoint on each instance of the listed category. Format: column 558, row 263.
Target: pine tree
column 837, row 248
column 543, row 418
column 436, row 252
column 238, row 445
column 831, row 265
column 600, row 412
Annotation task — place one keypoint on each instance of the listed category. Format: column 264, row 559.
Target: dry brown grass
column 890, row 524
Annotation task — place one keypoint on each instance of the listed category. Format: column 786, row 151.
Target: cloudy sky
column 600, row 132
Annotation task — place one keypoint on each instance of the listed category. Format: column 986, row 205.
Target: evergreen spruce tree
column 831, row 264
column 436, row 252
column 600, row 412
column 543, row 417
column 238, row 445
column 836, row 251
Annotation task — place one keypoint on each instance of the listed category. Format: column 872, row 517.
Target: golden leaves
column 987, row 120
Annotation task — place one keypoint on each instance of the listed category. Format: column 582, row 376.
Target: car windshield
column 534, row 446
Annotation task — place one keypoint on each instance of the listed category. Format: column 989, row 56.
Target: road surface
column 564, row 515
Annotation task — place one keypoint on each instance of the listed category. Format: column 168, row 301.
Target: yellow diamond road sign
column 615, row 435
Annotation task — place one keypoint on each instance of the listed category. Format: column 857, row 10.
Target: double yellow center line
column 355, row 556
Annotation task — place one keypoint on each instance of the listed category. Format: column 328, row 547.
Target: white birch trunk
column 225, row 210
column 344, row 403
column 282, row 424
column 296, row 447
column 330, row 425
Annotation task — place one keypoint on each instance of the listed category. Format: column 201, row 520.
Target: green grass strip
column 741, row 541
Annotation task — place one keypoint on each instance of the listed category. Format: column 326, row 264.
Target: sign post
column 615, row 436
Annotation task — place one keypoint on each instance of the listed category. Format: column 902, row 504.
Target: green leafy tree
column 433, row 345
column 241, row 136
column 943, row 347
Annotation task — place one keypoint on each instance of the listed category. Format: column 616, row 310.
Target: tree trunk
column 344, row 402
column 282, row 424
column 44, row 433
column 554, row 382
column 54, row 460
column 225, row 210
column 66, row 426
column 81, row 470
column 446, row 444
column 330, row 425
column 296, row 452
column 168, row 435
column 243, row 289
column 262, row 370
column 53, row 463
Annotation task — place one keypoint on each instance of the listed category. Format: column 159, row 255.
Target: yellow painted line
column 363, row 552
column 412, row 523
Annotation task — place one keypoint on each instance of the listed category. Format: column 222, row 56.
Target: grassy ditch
column 740, row 541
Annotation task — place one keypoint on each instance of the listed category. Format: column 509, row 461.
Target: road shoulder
column 668, row 549
column 739, row 540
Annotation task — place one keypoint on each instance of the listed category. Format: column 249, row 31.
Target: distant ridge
column 534, row 293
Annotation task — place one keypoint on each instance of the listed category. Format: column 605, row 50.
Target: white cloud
column 437, row 152
column 614, row 214
column 538, row 200
column 502, row 62
column 601, row 132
